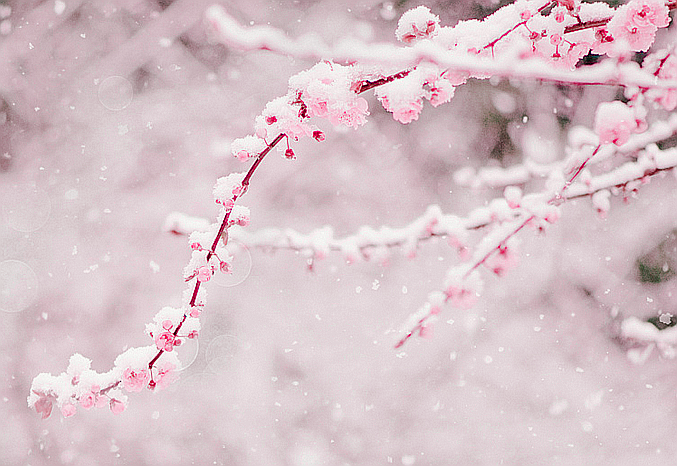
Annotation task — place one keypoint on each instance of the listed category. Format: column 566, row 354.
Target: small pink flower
column 68, row 410
column 165, row 341
column 165, row 376
column 569, row 4
column 409, row 112
column 427, row 332
column 318, row 136
column 167, row 324
column 649, row 12
column 135, row 381
column 88, row 400
column 289, row 153
column 242, row 155
column 195, row 246
column 525, row 15
column 555, row 39
column 194, row 311
column 192, row 334
column 116, row 406
column 225, row 267
column 575, row 53
column 44, row 405
column 204, row 273
column 614, row 122
column 460, row 297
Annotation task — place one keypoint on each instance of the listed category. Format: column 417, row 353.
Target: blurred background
column 114, row 114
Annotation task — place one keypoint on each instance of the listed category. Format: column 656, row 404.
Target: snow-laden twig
column 433, row 223
column 462, row 287
column 500, row 177
column 352, row 50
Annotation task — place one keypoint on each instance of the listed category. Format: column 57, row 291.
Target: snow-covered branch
column 500, row 177
column 455, row 53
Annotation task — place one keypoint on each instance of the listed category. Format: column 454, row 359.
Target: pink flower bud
column 116, row 406
column 88, row 400
column 555, row 39
column 289, row 154
column 318, row 136
column 68, row 410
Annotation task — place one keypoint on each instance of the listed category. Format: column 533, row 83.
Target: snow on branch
column 433, row 223
column 500, row 177
column 502, row 45
column 495, row 251
column 534, row 40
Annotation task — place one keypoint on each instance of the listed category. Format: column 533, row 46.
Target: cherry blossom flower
column 117, row 406
column 637, row 22
column 664, row 67
column 88, row 400
column 614, row 122
column 417, row 23
column 135, row 381
column 165, row 375
column 165, row 341
column 43, row 405
column 68, row 410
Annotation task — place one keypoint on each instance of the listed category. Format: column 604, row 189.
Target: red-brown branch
column 222, row 228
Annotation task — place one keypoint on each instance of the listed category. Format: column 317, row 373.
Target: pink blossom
column 165, row 341
column 135, row 381
column 614, row 122
column 441, row 92
column 427, row 332
column 644, row 13
column 289, row 153
column 44, row 405
column 569, row 4
column 664, row 68
column 225, row 267
column 116, row 406
column 88, row 400
column 204, row 273
column 354, row 115
column 604, row 42
column 502, row 261
column 165, row 375
column 575, row 53
column 417, row 23
column 460, row 297
column 194, row 311
column 405, row 112
column 68, row 410
column 637, row 22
